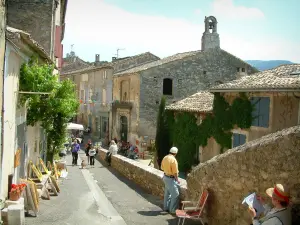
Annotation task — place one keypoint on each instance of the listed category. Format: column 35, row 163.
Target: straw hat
column 279, row 192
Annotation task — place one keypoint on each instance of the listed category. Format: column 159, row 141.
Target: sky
column 249, row 29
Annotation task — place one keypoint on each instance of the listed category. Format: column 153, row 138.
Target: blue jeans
column 171, row 198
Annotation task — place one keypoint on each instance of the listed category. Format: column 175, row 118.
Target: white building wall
column 13, row 61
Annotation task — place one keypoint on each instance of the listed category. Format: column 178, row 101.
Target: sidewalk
column 100, row 195
column 132, row 203
column 80, row 202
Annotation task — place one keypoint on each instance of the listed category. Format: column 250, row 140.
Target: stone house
column 94, row 90
column 44, row 20
column 199, row 104
column 137, row 91
column 275, row 93
column 17, row 135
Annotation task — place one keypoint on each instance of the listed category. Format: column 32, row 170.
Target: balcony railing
column 122, row 104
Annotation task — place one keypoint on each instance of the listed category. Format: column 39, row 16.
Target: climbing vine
column 187, row 135
column 52, row 110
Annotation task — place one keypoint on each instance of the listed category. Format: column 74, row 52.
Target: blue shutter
column 242, row 139
column 255, row 113
column 236, row 140
column 264, row 112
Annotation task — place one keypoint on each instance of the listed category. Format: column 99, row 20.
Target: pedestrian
column 113, row 150
column 87, row 149
column 170, row 167
column 75, row 150
column 92, row 153
column 280, row 214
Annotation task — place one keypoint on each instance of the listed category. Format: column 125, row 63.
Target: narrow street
column 100, row 195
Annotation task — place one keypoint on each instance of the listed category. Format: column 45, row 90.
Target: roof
column 281, row 78
column 108, row 64
column 158, row 62
column 87, row 69
column 12, row 33
column 199, row 102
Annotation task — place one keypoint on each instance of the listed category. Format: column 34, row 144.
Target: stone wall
column 34, row 17
column 189, row 75
column 145, row 176
column 252, row 167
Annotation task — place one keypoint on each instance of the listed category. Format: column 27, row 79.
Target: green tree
column 53, row 110
column 163, row 141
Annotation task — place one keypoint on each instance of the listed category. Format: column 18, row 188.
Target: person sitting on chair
column 280, row 214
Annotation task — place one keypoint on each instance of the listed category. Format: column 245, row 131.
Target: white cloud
column 226, row 8
column 99, row 27
column 198, row 11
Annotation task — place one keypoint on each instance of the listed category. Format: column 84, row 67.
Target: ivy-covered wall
column 188, row 136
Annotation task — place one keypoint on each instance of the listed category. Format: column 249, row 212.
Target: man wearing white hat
column 170, row 167
column 280, row 214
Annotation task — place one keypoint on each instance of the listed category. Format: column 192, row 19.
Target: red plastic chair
column 193, row 212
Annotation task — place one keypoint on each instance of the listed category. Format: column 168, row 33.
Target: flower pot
column 14, row 196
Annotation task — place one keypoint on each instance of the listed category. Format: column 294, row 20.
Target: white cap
column 174, row 150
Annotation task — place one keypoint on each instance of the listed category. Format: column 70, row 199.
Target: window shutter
column 255, row 113
column 57, row 47
column 109, row 92
column 242, row 139
column 264, row 106
column 235, row 140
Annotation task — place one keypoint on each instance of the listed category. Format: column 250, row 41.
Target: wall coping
column 149, row 169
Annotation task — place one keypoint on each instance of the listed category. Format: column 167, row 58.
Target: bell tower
column 210, row 37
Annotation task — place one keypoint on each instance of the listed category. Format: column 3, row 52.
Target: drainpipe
column 3, row 10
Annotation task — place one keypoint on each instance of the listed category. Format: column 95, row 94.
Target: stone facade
column 190, row 74
column 137, row 172
column 40, row 18
column 34, row 17
column 94, row 88
column 252, row 167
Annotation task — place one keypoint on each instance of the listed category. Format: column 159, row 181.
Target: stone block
column 16, row 215
column 19, row 202
column 4, row 213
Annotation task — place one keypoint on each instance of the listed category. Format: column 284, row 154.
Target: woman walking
column 75, row 150
column 92, row 153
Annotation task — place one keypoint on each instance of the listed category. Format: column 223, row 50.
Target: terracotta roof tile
column 158, row 62
column 282, row 77
column 199, row 102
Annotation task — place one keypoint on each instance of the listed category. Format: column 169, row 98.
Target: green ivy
column 53, row 110
column 187, row 135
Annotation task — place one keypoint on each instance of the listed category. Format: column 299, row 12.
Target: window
column 82, row 95
column 243, row 70
column 103, row 96
column 167, row 86
column 204, row 72
column 238, row 69
column 238, row 139
column 104, row 76
column 261, row 111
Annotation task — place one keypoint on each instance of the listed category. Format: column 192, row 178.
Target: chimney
column 97, row 60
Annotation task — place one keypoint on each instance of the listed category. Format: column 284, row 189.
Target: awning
column 74, row 126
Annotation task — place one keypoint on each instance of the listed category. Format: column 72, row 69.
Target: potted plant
column 16, row 191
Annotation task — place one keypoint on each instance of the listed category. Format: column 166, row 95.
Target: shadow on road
column 142, row 192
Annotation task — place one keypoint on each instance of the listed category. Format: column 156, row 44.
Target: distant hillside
column 265, row 65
